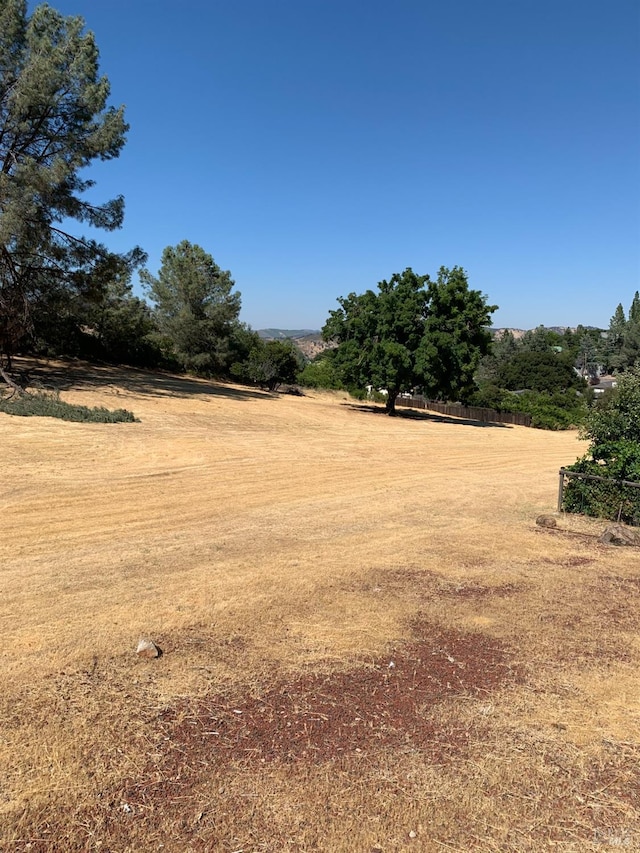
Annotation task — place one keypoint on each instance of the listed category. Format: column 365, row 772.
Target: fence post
column 560, row 489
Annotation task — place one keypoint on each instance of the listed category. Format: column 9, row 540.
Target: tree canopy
column 539, row 371
column 54, row 122
column 622, row 347
column 413, row 332
column 195, row 308
column 270, row 363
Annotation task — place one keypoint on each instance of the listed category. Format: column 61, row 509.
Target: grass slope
column 368, row 645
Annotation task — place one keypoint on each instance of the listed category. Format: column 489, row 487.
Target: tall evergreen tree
column 195, row 308
column 615, row 339
column 54, row 122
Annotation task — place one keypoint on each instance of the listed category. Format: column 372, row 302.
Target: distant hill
column 311, row 344
column 518, row 333
column 281, row 334
column 308, row 341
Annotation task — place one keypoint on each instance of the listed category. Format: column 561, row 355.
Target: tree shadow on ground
column 58, row 375
column 423, row 415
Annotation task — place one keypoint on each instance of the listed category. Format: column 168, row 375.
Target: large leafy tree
column 54, row 122
column 195, row 308
column 413, row 332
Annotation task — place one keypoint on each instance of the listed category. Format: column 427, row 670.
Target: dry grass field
column 368, row 644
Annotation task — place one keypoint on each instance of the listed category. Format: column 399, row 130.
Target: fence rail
column 472, row 413
column 563, row 473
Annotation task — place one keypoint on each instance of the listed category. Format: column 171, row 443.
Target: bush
column 320, row 373
column 613, row 425
column 610, row 499
column 46, row 404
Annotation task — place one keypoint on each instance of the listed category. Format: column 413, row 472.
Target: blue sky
column 315, row 147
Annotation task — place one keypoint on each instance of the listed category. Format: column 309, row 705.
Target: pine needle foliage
column 54, row 122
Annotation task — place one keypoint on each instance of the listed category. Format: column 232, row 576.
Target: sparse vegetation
column 47, row 404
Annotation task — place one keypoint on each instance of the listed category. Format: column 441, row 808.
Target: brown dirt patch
column 387, row 704
column 322, row 717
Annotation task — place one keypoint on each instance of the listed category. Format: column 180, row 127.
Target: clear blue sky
column 315, row 147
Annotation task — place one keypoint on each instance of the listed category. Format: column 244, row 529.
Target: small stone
column 546, row 521
column 413, row 834
column 147, row 649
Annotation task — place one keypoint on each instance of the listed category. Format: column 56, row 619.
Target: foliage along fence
column 472, row 413
column 603, row 497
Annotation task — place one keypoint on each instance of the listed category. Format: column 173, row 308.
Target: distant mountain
column 518, row 333
column 282, row 334
column 311, row 344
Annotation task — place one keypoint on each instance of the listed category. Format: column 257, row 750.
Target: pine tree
column 54, row 122
column 195, row 309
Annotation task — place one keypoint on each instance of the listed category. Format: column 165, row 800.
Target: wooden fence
column 472, row 413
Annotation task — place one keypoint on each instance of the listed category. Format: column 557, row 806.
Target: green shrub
column 320, row 373
column 47, row 404
column 613, row 425
column 548, row 410
column 610, row 499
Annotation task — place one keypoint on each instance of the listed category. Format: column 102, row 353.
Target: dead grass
column 368, row 645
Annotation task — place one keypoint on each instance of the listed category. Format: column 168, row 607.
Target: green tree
column 630, row 349
column 456, row 336
column 615, row 338
column 270, row 363
column 320, row 373
column 122, row 327
column 54, row 122
column 540, row 339
column 195, row 308
column 617, row 416
column 412, row 332
column 503, row 348
column 588, row 356
column 539, row 371
column 622, row 346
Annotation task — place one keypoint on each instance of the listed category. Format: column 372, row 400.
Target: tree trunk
column 16, row 389
column 390, row 405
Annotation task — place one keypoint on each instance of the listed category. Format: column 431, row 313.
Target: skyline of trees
column 64, row 293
